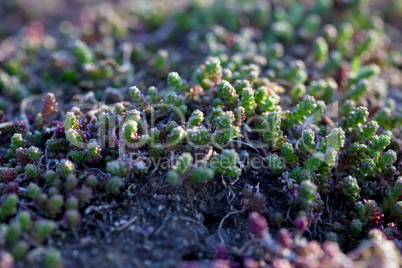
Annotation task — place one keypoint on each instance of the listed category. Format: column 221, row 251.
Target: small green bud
column 322, row 89
column 367, row 167
column 84, row 195
column 178, row 102
column 54, row 190
column 336, row 138
column 160, row 60
column 330, row 157
column 33, row 190
column 132, row 115
column 297, row 92
column 226, row 74
column 174, row 80
column 32, row 171
column 202, row 174
column 271, row 123
column 82, row 52
column 334, row 61
column 70, row 183
column 227, row 93
column 91, row 181
column 195, row 119
column 117, row 168
column 225, row 163
column 358, row 116
column 270, row 104
column 307, row 144
column 247, row 101
column 299, row 174
column 9, row 206
column 320, row 49
column 307, row 194
column 225, row 120
column 50, row 176
column 239, row 116
column 140, row 168
column 360, row 209
column 72, row 218
column 388, row 158
column 154, row 133
column 16, row 141
column 348, row 107
column 41, row 200
column 359, row 89
column 394, row 195
column 130, row 131
column 52, row 258
column 156, row 150
column 93, row 152
column 345, row 32
column 397, row 210
column 71, row 203
column 354, row 149
column 213, row 68
column 378, row 144
column 368, row 71
column 368, row 130
column 176, row 136
column 261, row 94
column 66, row 167
column 351, row 188
column 34, row 153
column 295, row 72
column 275, row 163
column 288, row 153
column 13, row 232
column 310, row 26
column 239, row 85
column 43, row 228
column 184, row 162
column 315, row 161
column 368, row 43
column 24, row 218
column 283, row 29
column 20, row 249
column 356, row 227
column 77, row 155
column 55, row 145
column 138, row 98
column 113, row 185
column 173, row 177
column 37, row 137
column 384, row 118
column 54, row 205
column 70, row 121
column 302, row 111
column 39, row 119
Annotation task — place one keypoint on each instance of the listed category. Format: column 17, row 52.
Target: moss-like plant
column 201, row 95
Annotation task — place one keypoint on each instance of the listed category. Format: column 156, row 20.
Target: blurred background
column 56, row 13
column 170, row 35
